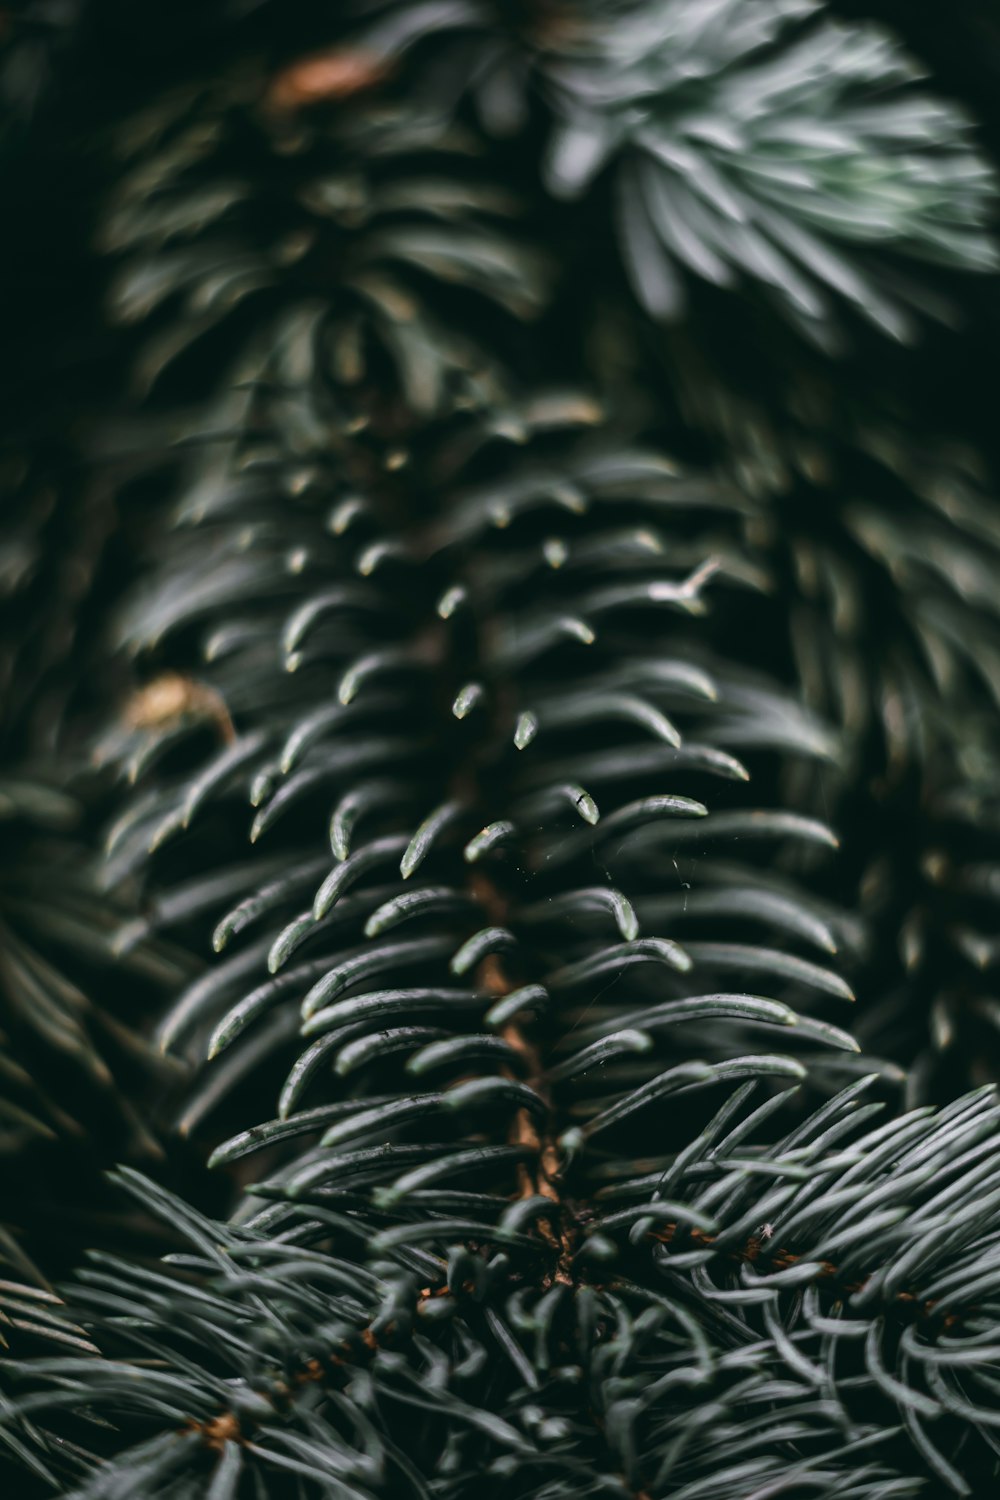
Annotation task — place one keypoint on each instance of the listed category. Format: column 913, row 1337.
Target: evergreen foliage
column 528, row 688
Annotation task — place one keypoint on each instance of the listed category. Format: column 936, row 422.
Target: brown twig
column 781, row 1260
column 326, row 78
column 172, row 697
column 542, row 1177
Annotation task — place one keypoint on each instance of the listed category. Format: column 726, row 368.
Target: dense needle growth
column 499, row 766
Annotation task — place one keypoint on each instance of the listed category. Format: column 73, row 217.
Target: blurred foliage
column 501, row 536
